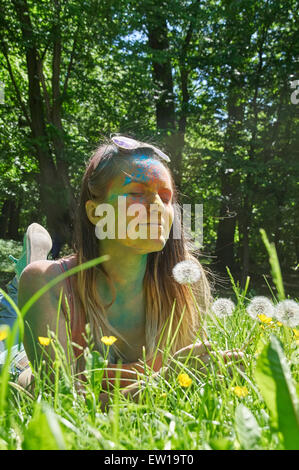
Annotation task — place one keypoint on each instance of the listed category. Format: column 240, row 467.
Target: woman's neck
column 125, row 267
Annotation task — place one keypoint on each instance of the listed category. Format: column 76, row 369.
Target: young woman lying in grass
column 130, row 295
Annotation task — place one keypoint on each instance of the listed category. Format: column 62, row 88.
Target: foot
column 37, row 244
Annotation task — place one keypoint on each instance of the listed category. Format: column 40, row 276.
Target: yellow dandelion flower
column 184, row 380
column 241, row 392
column 3, row 333
column 279, row 323
column 264, row 319
column 44, row 341
column 296, row 333
column 108, row 340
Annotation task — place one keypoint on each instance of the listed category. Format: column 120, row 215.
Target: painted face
column 141, row 197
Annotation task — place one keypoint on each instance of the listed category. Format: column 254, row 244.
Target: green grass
column 8, row 247
column 205, row 415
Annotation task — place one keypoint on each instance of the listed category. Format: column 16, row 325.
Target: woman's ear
column 90, row 207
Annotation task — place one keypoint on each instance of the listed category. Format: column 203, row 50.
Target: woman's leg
column 37, row 244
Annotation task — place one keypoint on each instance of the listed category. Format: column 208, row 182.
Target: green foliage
column 275, row 266
column 43, row 431
column 94, row 367
column 247, row 428
column 274, row 379
column 234, row 124
column 206, row 415
column 9, row 247
column 237, row 132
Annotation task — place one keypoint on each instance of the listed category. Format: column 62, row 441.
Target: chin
column 149, row 246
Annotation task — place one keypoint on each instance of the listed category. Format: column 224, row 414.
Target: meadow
column 244, row 405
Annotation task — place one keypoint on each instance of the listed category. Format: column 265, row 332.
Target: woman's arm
column 200, row 355
column 128, row 373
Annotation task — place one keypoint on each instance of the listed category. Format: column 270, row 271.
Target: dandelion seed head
column 223, row 307
column 260, row 306
column 187, row 271
column 287, row 313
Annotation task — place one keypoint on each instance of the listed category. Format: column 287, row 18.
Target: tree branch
column 184, row 74
column 67, row 76
column 44, row 87
column 56, row 62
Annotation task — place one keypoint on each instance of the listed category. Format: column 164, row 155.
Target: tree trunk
column 230, row 180
column 162, row 71
column 227, row 224
column 244, row 225
column 249, row 183
column 163, row 82
column 14, row 219
column 4, row 218
column 52, row 180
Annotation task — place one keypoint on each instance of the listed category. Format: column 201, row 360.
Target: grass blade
column 275, row 382
column 274, row 263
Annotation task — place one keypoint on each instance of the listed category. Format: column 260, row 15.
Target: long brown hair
column 159, row 287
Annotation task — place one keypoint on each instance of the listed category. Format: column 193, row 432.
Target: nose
column 156, row 206
column 156, row 200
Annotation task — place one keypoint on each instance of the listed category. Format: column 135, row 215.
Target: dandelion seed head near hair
column 159, row 287
column 287, row 312
column 260, row 305
column 186, row 272
column 223, row 307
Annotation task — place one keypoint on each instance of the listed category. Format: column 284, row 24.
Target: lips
column 154, row 225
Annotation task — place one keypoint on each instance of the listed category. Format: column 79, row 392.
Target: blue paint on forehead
column 149, row 170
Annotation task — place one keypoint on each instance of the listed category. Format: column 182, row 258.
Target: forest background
column 215, row 84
